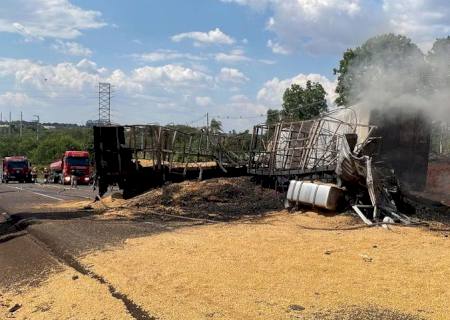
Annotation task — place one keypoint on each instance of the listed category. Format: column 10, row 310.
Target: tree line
column 46, row 145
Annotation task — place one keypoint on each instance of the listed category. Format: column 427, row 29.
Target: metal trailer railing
column 138, row 157
column 298, row 148
column 160, row 146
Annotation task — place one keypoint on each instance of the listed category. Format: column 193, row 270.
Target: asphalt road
column 34, row 242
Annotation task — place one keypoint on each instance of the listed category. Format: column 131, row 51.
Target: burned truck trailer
column 310, row 149
column 139, row 157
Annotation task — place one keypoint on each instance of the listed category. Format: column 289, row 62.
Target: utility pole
column 9, row 127
column 104, row 103
column 37, row 126
column 207, row 131
column 21, row 123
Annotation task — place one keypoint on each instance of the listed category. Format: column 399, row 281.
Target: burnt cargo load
column 16, row 168
column 137, row 158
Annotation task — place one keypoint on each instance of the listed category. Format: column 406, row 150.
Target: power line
column 223, row 117
column 196, row 120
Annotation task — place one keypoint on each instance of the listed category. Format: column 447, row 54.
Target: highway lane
column 23, row 259
column 37, row 242
column 52, row 191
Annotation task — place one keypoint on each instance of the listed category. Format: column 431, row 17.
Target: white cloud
column 215, row 36
column 145, row 94
column 169, row 74
column 234, row 56
column 277, row 48
column 72, row 48
column 89, row 66
column 164, row 55
column 37, row 19
column 333, row 25
column 231, row 75
column 241, row 112
column 85, row 75
column 48, row 77
column 255, row 4
column 267, row 61
column 203, row 101
column 422, row 20
column 239, row 98
column 25, row 33
column 271, row 94
column 14, row 99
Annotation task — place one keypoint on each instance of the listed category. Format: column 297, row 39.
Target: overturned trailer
column 370, row 155
column 139, row 157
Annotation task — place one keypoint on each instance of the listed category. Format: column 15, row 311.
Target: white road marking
column 38, row 193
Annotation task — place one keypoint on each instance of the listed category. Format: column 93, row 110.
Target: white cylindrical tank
column 320, row 195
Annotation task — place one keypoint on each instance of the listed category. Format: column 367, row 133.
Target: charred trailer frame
column 113, row 162
column 139, row 157
column 298, row 150
column 309, row 149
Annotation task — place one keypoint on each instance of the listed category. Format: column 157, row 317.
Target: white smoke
column 414, row 81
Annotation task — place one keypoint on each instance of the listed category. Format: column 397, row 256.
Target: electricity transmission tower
column 104, row 103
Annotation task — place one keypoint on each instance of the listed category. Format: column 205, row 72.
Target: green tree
column 215, row 126
column 273, row 116
column 52, row 148
column 368, row 64
column 440, row 52
column 439, row 60
column 304, row 103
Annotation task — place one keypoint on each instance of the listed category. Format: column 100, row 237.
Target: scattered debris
column 387, row 221
column 360, row 313
column 366, row 258
column 296, row 307
column 15, row 308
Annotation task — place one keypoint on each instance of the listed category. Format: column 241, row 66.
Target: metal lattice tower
column 104, row 103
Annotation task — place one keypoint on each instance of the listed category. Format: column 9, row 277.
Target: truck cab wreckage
column 345, row 159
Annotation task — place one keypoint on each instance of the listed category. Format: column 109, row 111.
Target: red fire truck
column 73, row 163
column 16, row 168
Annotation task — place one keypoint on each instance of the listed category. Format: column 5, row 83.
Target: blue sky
column 173, row 61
